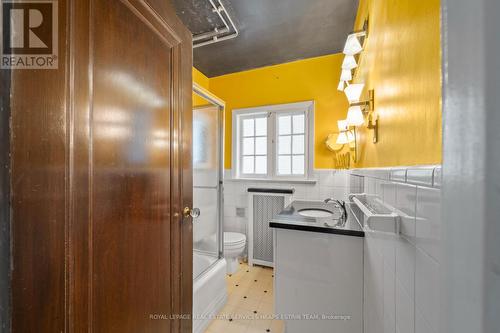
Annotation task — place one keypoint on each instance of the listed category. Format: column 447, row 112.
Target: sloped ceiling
column 271, row 31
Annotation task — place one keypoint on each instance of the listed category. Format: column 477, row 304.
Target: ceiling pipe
column 211, row 34
column 217, row 35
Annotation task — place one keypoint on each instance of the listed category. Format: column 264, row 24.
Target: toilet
column 234, row 244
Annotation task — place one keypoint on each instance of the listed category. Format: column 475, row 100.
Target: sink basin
column 315, row 212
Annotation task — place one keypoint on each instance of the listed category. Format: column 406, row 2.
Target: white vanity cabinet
column 318, row 276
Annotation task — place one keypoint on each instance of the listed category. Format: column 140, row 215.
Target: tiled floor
column 249, row 308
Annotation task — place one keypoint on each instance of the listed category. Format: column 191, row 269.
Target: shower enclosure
column 209, row 266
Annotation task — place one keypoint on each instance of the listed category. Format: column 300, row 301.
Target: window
column 273, row 141
column 253, row 145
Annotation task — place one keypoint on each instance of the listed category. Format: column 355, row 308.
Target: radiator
column 264, row 204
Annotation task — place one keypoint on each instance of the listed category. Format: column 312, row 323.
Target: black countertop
column 290, row 218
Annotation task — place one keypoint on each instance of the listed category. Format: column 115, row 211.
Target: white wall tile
column 241, row 222
column 326, row 178
column 437, row 177
column 428, row 222
column 405, row 266
column 339, row 193
column 427, row 291
column 341, row 178
column 389, row 193
column 398, row 175
column 369, row 185
column 388, row 248
column 406, row 196
column 300, row 192
column 405, row 310
column 241, row 200
column 379, row 187
column 356, row 184
column 420, row 176
column 409, row 290
column 312, row 192
column 375, row 265
column 327, row 192
column 229, row 211
column 379, row 173
column 421, row 325
column 373, row 323
column 389, row 300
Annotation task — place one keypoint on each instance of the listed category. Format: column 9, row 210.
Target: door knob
column 194, row 213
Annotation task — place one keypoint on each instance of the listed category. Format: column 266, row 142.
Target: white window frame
column 271, row 110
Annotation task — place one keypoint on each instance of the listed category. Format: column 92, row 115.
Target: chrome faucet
column 341, row 205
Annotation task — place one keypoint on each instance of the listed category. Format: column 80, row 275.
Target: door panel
column 131, row 173
column 103, row 171
column 38, row 196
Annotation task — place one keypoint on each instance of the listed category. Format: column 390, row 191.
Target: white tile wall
column 401, row 273
column 428, row 226
column 401, row 277
column 427, row 292
column 329, row 184
column 406, row 197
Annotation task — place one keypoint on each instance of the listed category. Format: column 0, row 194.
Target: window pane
column 261, row 126
column 285, row 125
column 284, row 145
column 248, row 166
column 260, row 146
column 248, row 146
column 284, row 165
column 248, row 127
column 298, row 124
column 298, row 144
column 298, row 165
column 261, row 165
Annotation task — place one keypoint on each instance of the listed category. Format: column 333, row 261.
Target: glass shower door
column 206, row 186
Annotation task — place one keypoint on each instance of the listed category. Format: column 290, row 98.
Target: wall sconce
column 337, row 141
column 353, row 92
column 357, row 111
column 353, row 46
column 345, row 134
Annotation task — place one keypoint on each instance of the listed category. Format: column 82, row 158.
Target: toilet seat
column 234, row 239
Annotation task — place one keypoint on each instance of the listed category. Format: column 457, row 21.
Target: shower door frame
column 221, row 105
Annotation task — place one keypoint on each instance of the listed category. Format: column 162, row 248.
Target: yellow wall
column 310, row 79
column 203, row 81
column 402, row 62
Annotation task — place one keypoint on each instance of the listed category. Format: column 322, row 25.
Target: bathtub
column 209, row 290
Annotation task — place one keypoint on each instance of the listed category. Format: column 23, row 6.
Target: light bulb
column 355, row 116
column 353, row 92
column 352, row 45
column 346, row 75
column 341, row 86
column 349, row 62
column 342, row 125
column 342, row 138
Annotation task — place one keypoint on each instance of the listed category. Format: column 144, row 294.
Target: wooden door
column 101, row 171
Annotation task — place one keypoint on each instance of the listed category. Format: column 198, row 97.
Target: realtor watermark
column 29, row 34
column 237, row 316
